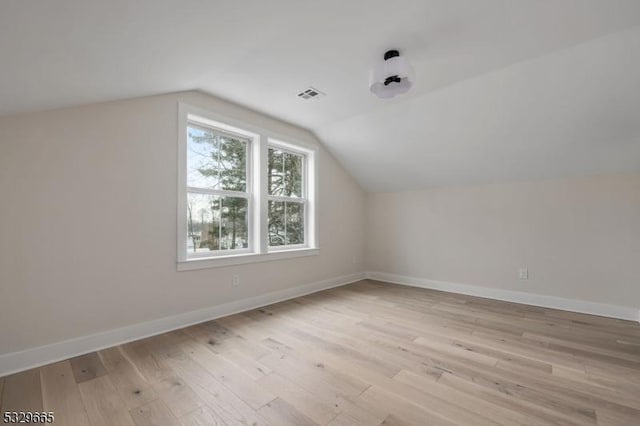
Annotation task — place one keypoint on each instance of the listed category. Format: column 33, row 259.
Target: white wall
column 88, row 222
column 579, row 238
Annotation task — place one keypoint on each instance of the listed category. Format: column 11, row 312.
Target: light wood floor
column 368, row 353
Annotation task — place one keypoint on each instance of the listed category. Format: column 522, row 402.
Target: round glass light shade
column 398, row 67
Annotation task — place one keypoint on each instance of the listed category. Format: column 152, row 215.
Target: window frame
column 260, row 140
column 289, row 149
column 246, row 194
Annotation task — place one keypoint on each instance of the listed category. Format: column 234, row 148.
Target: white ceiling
column 506, row 89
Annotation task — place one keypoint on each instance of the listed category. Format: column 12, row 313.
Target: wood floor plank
column 405, row 411
column 1, row 391
column 468, row 402
column 60, row 394
column 227, row 406
column 279, row 412
column 358, row 412
column 587, row 349
column 368, row 353
column 250, row 366
column 221, row 339
column 203, row 416
column 525, row 386
column 406, row 392
column 230, row 376
column 148, row 356
column 178, row 396
column 303, row 400
column 142, row 356
column 392, row 420
column 615, row 418
column 483, row 375
column 22, row 392
column 154, row 413
column 307, row 371
column 87, row 367
column 133, row 388
column 103, row 403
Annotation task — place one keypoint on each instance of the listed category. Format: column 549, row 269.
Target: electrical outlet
column 235, row 280
column 524, row 274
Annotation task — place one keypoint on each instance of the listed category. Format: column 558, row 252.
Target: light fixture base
column 391, row 54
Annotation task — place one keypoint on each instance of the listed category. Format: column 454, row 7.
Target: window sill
column 239, row 259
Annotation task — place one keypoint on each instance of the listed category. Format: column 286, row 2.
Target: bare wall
column 88, row 222
column 579, row 238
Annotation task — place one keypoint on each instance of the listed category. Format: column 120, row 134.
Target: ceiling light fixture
column 391, row 77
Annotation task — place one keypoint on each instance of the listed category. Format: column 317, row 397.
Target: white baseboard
column 34, row 357
column 581, row 306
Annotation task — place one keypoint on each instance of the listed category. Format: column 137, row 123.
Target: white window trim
column 261, row 139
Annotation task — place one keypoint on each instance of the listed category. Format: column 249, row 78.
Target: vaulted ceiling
column 505, row 90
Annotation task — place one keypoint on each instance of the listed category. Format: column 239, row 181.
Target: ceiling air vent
column 310, row 93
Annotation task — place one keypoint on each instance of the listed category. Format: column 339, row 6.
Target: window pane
column 277, row 236
column 233, row 164
column 286, row 223
column 216, row 223
column 202, row 158
column 295, row 223
column 234, row 232
column 215, row 160
column 293, row 175
column 276, row 172
column 285, row 171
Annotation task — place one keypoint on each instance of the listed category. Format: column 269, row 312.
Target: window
column 243, row 195
column 286, row 197
column 217, row 191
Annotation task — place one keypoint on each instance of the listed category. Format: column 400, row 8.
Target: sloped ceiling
column 505, row 90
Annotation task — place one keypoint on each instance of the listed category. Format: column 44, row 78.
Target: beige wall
column 88, row 222
column 579, row 238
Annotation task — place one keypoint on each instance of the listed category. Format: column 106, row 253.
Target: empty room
column 286, row 212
